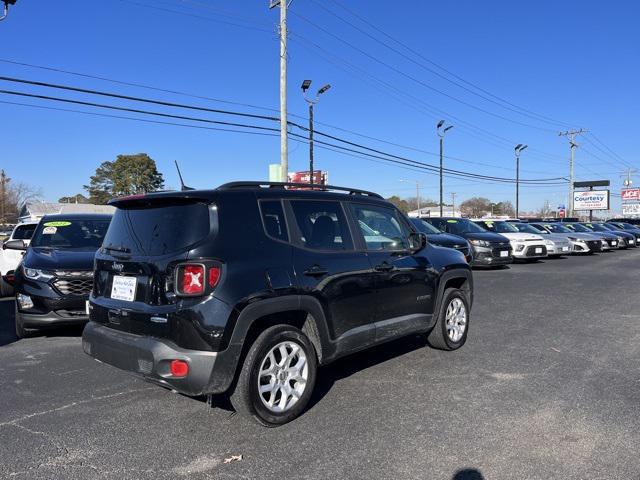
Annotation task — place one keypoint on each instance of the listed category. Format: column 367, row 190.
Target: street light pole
column 305, row 86
column 519, row 148
column 441, row 134
column 5, row 12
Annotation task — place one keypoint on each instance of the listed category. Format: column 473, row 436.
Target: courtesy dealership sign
column 591, row 200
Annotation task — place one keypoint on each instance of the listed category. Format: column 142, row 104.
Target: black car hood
column 488, row 236
column 45, row 259
column 446, row 240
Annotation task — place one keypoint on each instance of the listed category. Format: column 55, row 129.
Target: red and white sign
column 562, row 213
column 631, row 194
column 320, row 177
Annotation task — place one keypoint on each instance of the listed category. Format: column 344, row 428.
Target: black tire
column 6, row 290
column 246, row 398
column 438, row 337
column 21, row 332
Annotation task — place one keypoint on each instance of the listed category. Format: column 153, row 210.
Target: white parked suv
column 526, row 246
column 10, row 259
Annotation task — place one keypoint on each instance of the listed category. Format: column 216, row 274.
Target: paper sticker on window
column 452, row 221
column 57, row 224
column 49, row 230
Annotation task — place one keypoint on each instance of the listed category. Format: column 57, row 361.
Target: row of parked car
column 245, row 290
column 491, row 242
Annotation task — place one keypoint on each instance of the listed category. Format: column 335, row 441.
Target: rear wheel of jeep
column 277, row 377
column 450, row 331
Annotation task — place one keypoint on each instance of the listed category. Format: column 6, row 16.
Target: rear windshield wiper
column 113, row 248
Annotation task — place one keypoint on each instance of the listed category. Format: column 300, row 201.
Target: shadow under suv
column 248, row 288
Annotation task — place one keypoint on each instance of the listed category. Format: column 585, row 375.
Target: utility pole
column 284, row 146
column 417, row 190
column 453, row 204
column 519, row 148
column 3, row 196
column 441, row 134
column 571, row 135
column 305, row 86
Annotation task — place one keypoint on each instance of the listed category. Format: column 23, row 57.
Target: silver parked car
column 557, row 244
column 582, row 242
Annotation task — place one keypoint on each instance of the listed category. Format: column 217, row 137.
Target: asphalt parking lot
column 547, row 386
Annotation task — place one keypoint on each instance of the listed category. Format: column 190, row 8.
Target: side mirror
column 417, row 241
column 14, row 245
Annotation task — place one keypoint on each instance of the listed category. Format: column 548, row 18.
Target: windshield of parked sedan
column 576, row 227
column 499, row 227
column 597, row 227
column 424, row 227
column 461, row 226
column 557, row 228
column 526, row 228
column 76, row 234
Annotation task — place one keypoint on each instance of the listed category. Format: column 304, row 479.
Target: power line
column 506, row 143
column 519, row 111
column 133, row 84
column 106, row 115
column 202, row 97
column 414, row 79
column 377, row 153
column 420, row 55
column 199, row 108
column 193, row 15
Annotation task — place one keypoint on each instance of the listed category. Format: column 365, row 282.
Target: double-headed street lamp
column 441, row 133
column 519, row 148
column 5, row 11
column 305, row 86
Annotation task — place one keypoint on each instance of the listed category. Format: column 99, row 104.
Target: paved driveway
column 548, row 386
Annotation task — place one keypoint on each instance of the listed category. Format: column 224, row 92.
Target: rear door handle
column 316, row 271
column 384, row 267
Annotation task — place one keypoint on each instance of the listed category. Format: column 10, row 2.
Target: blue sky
column 575, row 62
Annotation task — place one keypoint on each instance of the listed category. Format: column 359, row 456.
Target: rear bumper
column 148, row 357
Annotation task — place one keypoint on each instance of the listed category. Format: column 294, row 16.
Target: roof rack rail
column 283, row 185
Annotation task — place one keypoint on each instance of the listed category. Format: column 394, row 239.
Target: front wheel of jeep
column 277, row 377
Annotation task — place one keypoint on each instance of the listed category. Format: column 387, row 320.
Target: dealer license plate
column 538, row 250
column 504, row 253
column 565, row 249
column 614, row 243
column 124, row 288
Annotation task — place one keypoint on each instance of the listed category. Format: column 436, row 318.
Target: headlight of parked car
column 549, row 243
column 479, row 243
column 36, row 274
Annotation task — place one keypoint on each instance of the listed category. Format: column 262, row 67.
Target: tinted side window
column 24, row 232
column 322, row 225
column 273, row 219
column 381, row 227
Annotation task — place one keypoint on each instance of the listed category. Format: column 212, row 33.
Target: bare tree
column 546, row 210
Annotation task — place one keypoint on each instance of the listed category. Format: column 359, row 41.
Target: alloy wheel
column 456, row 319
column 283, row 376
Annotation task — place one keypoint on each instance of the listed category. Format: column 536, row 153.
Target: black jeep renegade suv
column 248, row 288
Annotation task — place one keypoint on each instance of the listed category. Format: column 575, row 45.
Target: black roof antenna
column 183, row 187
